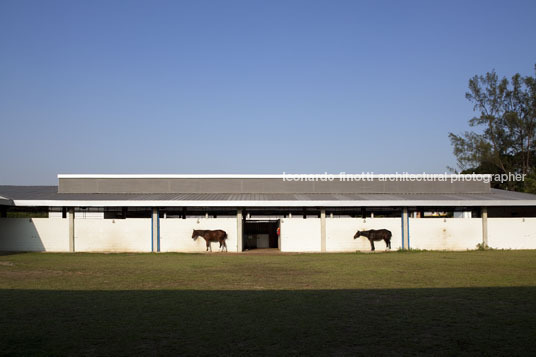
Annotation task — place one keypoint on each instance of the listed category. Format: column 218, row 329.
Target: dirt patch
column 7, row 264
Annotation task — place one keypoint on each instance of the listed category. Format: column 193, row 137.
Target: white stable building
column 157, row 213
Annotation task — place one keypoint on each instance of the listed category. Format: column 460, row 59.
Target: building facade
column 158, row 213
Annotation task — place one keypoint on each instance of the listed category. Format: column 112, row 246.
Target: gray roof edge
column 276, row 203
column 46, row 196
column 4, row 201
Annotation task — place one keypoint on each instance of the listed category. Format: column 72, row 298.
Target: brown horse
column 211, row 236
column 376, row 235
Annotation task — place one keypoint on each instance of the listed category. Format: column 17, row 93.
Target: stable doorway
column 260, row 234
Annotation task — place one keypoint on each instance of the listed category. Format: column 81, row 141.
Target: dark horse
column 376, row 235
column 211, row 236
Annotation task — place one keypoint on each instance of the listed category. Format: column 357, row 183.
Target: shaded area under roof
column 22, row 195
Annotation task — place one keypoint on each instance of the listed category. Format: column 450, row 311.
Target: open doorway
column 259, row 234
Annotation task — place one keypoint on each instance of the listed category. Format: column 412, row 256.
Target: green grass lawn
column 399, row 303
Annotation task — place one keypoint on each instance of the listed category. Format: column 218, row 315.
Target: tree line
column 503, row 139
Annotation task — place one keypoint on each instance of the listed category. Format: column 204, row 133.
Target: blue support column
column 405, row 228
column 155, row 230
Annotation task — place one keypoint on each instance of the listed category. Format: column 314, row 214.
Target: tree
column 506, row 139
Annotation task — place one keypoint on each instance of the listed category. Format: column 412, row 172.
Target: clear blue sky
column 245, row 86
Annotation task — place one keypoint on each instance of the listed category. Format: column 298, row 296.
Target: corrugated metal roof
column 253, row 185
column 4, row 201
column 49, row 193
column 29, row 192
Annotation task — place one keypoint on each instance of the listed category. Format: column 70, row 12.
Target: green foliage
column 530, row 183
column 504, row 139
column 411, row 250
column 482, row 246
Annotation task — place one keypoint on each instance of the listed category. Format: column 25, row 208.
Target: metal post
column 485, row 227
column 71, row 230
column 239, row 225
column 155, row 231
column 323, row 230
column 405, row 228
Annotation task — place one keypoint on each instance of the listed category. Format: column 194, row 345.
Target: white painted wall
column 340, row 233
column 512, row 233
column 112, row 235
column 297, row 234
column 34, row 234
column 445, row 233
column 300, row 235
column 176, row 234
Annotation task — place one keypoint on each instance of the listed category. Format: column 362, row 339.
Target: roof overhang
column 274, row 203
column 290, row 176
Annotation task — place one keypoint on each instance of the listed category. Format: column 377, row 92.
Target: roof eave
column 274, row 203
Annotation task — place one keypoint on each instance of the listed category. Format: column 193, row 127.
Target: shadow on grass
column 6, row 253
column 398, row 321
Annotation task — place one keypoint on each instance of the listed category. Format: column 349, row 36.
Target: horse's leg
column 386, row 244
column 225, row 245
column 371, row 245
column 208, row 245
